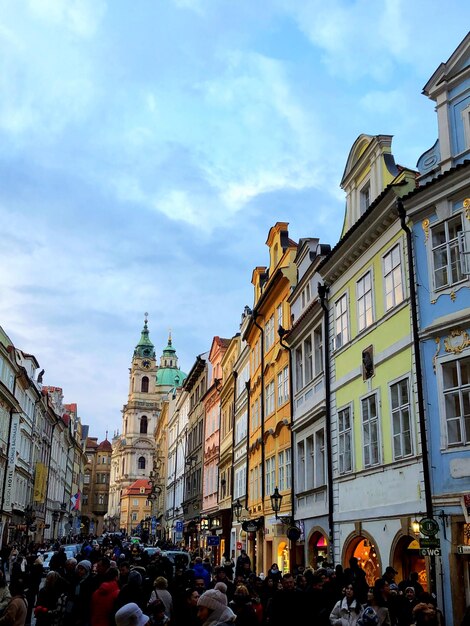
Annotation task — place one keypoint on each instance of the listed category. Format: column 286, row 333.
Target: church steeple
column 168, row 374
column 145, row 347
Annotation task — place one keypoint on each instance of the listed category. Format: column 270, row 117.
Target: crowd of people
column 116, row 583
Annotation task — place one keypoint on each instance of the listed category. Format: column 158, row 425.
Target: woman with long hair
column 346, row 611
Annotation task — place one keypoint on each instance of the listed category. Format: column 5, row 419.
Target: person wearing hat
column 389, row 574
column 212, row 609
column 82, row 593
column 131, row 615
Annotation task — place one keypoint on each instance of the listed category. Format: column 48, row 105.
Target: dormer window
column 365, row 198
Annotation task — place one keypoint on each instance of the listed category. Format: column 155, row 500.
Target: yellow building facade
column 269, row 423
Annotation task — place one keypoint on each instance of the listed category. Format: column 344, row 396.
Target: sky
column 147, row 147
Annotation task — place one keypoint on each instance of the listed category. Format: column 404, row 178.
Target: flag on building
column 75, row 500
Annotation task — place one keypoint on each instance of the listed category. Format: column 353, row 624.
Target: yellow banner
column 40, row 483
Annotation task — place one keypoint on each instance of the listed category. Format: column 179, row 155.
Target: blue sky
column 147, row 147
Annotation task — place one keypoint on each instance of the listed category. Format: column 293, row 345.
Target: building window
column 308, row 360
column 447, row 268
column 401, row 422
column 269, row 398
column 269, row 333
column 301, row 466
column 365, row 198
column 285, row 377
column 270, row 474
column 134, row 517
column 280, row 321
column 284, row 469
column 456, row 387
column 370, row 430
column 364, row 302
column 341, row 322
column 299, row 378
column 344, row 441
column 86, row 479
column 143, row 424
column 141, row 463
column 280, row 387
column 144, row 387
column 318, row 350
column 393, row 279
column 320, row 458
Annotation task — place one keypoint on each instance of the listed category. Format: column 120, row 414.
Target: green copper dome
column 172, row 377
column 145, row 347
column 168, row 374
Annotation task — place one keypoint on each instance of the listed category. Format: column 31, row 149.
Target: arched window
column 141, row 463
column 123, row 466
column 143, row 425
column 145, row 384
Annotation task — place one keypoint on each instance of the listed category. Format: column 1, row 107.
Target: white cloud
column 82, row 17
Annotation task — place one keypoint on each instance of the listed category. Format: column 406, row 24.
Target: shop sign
column 250, row 526
column 430, row 552
column 463, row 549
column 429, row 542
column 428, row 526
column 213, row 540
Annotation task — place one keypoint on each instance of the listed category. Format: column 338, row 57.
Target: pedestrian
column 347, row 611
column 186, row 609
column 5, row 595
column 131, row 615
column 17, row 609
column 103, row 599
column 213, row 610
column 160, row 592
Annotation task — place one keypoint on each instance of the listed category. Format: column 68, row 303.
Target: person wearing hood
column 103, row 599
column 132, row 591
column 212, row 609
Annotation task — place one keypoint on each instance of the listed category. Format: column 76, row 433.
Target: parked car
column 178, row 558
column 71, row 551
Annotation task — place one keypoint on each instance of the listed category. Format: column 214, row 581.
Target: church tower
column 134, row 448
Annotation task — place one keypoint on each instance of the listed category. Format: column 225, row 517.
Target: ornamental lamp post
column 237, row 509
column 276, row 501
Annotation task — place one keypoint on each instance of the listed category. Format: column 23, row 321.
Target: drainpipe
column 232, row 473
column 248, row 413
column 281, row 332
column 419, row 377
column 322, row 294
column 254, row 316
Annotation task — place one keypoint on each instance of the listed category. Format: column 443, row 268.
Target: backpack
column 368, row 618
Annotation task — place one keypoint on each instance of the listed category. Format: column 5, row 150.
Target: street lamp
column 276, row 501
column 237, row 509
column 415, row 526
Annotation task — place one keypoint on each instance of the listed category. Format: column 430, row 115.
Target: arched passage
column 405, row 558
column 363, row 547
column 317, row 548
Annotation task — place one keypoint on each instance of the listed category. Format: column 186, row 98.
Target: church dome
column 168, row 374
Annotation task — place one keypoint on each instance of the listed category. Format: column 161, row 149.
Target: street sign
column 213, row 540
column 428, row 526
column 463, row 549
column 179, row 526
column 430, row 552
column 239, row 545
column 429, row 542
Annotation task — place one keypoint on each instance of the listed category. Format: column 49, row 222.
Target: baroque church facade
column 134, row 448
